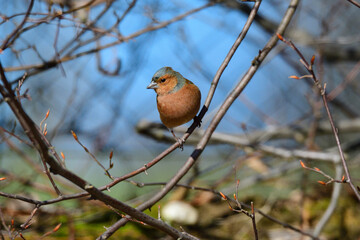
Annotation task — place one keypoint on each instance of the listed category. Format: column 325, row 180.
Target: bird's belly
column 177, row 109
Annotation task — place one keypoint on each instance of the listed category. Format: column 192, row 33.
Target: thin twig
column 15, row 136
column 57, row 55
column 10, row 37
column 55, row 229
column 317, row 170
column 80, row 7
column 323, row 94
column 354, row 2
column 3, row 222
column 27, row 223
column 333, row 202
column 254, row 221
column 91, row 155
column 349, row 78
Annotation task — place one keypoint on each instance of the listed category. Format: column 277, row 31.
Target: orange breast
column 180, row 107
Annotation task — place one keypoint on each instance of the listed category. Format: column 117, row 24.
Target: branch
column 354, row 2
column 16, row 30
column 35, row 136
column 333, row 202
column 52, row 63
column 322, row 92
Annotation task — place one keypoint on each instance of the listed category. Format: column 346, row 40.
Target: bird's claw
column 181, row 143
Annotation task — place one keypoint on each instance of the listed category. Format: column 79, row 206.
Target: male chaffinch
column 178, row 99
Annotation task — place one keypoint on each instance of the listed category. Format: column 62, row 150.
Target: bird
column 178, row 99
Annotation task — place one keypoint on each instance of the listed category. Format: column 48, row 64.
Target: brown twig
column 88, row 26
column 317, row 170
column 55, row 229
column 11, row 37
column 104, row 71
column 322, row 92
column 15, row 136
column 27, row 223
column 354, row 2
column 3, row 223
column 90, row 2
column 91, row 155
column 254, row 221
column 57, row 55
column 333, row 202
column 349, row 78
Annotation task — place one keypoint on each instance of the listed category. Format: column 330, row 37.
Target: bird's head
column 166, row 81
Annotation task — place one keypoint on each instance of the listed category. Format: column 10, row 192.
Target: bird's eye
column 162, row 80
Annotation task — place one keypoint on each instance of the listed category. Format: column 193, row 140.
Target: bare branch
column 322, row 92
column 354, row 2
column 10, row 37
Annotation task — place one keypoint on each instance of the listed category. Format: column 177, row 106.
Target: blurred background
column 90, row 68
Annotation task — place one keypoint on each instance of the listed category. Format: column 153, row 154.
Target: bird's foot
column 181, row 143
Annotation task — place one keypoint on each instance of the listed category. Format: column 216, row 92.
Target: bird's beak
column 152, row 85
